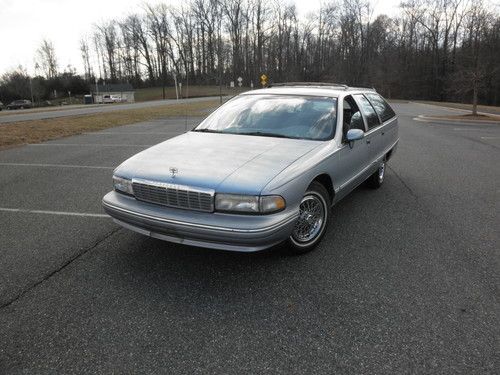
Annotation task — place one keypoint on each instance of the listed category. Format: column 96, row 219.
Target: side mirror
column 355, row 135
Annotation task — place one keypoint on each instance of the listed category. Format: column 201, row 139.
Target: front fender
column 293, row 181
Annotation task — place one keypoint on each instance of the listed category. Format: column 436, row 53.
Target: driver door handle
column 368, row 141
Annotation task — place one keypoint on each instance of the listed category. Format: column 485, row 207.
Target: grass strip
column 36, row 131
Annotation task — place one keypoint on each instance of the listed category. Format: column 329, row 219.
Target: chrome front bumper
column 244, row 233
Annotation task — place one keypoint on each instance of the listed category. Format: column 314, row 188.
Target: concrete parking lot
column 405, row 281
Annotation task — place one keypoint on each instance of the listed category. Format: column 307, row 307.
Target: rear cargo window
column 383, row 109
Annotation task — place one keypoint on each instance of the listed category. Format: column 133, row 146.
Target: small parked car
column 264, row 168
column 107, row 99
column 20, row 104
column 1, row 106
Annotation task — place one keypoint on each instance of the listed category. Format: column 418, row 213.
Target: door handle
column 368, row 141
column 383, row 133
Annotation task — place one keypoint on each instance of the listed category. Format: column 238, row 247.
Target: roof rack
column 364, row 88
column 317, row 84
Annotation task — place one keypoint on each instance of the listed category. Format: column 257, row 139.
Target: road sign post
column 176, row 88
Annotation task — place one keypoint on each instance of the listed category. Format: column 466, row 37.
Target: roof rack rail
column 363, row 88
column 321, row 84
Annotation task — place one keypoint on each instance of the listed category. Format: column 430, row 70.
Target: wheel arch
column 325, row 180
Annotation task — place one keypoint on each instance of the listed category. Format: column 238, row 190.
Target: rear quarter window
column 383, row 109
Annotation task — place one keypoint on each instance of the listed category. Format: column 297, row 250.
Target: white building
column 114, row 93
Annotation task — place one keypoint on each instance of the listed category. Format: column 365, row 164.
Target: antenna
column 185, row 103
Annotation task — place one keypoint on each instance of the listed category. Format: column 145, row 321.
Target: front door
column 354, row 156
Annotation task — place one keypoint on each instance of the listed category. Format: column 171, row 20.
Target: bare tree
column 85, row 52
column 109, row 46
column 46, row 56
column 422, row 52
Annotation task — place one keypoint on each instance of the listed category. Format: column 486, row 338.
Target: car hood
column 224, row 162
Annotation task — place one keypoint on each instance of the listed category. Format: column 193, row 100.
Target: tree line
column 431, row 49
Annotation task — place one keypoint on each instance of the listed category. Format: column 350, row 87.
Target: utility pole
column 31, row 89
column 176, row 89
column 96, row 90
column 220, row 59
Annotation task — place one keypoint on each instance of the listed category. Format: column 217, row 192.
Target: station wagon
column 264, row 168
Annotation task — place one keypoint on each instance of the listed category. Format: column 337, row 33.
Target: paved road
column 405, row 281
column 26, row 115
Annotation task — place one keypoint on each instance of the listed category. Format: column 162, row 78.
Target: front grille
column 171, row 195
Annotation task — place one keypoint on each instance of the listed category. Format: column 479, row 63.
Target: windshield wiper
column 264, row 134
column 256, row 133
column 206, row 130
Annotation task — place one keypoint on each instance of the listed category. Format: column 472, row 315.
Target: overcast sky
column 23, row 25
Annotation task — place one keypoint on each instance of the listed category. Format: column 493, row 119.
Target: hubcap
column 381, row 172
column 311, row 218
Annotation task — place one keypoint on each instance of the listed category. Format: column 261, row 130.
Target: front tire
column 313, row 220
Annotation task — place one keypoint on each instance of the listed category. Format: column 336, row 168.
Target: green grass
column 155, row 93
column 36, row 131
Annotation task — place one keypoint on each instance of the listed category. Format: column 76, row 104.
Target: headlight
column 237, row 203
column 123, row 185
column 249, row 203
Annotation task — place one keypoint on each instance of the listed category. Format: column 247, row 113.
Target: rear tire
column 313, row 220
column 377, row 178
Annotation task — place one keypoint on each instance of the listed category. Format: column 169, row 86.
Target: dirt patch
column 37, row 131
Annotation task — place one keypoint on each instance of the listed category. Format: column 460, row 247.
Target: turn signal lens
column 271, row 203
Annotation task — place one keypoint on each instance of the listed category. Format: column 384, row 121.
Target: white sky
column 24, row 23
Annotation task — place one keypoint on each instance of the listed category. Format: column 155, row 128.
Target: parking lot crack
column 59, row 269
column 410, row 190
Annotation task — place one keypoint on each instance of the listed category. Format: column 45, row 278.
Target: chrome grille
column 171, row 195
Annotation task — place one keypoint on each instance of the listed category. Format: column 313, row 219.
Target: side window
column 367, row 109
column 352, row 118
column 383, row 109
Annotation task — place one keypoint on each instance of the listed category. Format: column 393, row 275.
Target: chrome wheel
column 312, row 212
column 381, row 172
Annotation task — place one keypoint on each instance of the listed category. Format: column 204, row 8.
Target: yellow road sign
column 263, row 80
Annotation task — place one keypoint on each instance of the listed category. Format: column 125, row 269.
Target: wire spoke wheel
column 311, row 219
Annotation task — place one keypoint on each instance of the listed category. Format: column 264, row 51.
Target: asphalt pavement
column 406, row 279
column 35, row 114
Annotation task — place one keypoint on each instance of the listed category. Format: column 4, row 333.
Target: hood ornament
column 173, row 171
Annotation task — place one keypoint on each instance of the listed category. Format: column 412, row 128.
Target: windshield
column 284, row 116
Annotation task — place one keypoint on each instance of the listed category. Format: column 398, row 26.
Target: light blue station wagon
column 264, row 168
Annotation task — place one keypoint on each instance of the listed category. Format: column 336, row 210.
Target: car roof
column 310, row 89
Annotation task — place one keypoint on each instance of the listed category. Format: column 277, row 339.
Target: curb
column 423, row 118
column 457, row 109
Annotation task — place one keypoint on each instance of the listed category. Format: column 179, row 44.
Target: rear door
column 389, row 127
column 373, row 134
